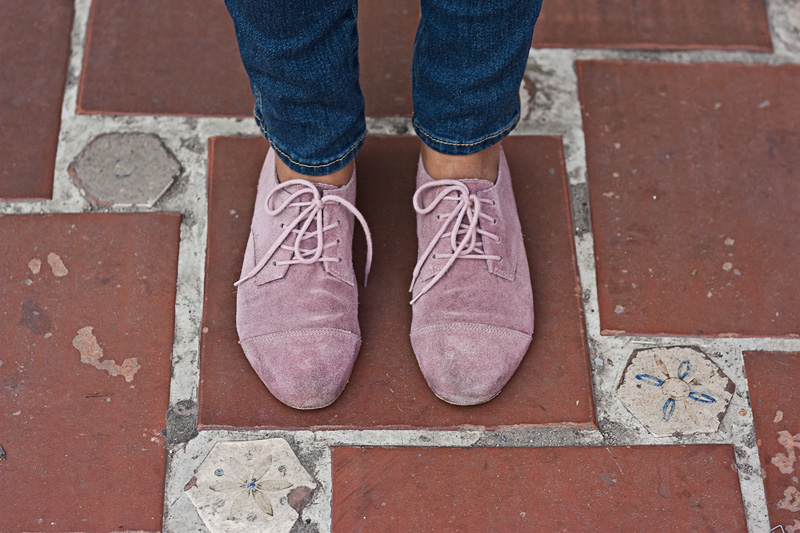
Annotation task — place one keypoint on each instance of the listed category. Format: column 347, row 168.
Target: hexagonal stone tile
column 675, row 391
column 125, row 170
column 250, row 486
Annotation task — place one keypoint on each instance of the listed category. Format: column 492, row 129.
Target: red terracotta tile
column 386, row 389
column 693, row 186
column 660, row 24
column 774, row 380
column 175, row 57
column 386, row 40
column 666, row 488
column 83, row 447
column 34, row 53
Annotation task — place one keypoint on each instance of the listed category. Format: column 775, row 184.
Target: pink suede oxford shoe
column 297, row 300
column 472, row 300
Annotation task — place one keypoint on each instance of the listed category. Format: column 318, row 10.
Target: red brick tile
column 386, row 40
column 203, row 49
column 669, row 488
column 774, row 380
column 387, row 30
column 660, row 24
column 175, row 57
column 693, row 186
column 387, row 389
column 34, row 55
column 83, row 447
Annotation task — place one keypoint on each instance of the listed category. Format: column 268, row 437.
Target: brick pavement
column 655, row 168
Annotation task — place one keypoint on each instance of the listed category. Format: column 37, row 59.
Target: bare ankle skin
column 482, row 165
column 338, row 178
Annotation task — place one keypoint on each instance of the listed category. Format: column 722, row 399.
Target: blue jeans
column 302, row 60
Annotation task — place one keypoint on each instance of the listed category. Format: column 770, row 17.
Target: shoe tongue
column 325, row 187
column 477, row 185
column 339, row 190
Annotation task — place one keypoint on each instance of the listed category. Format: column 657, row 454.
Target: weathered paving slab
column 33, row 53
column 125, row 170
column 176, row 57
column 774, row 379
column 86, row 317
column 669, row 488
column 654, row 24
column 386, row 389
column 693, row 185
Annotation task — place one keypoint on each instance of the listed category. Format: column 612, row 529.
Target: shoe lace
column 311, row 210
column 461, row 226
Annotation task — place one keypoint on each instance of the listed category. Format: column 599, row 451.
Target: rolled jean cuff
column 450, row 146
column 319, row 167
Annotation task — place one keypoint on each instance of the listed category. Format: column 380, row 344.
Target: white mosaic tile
column 250, row 486
column 675, row 390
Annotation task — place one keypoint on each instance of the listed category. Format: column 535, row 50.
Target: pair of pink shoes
column 297, row 302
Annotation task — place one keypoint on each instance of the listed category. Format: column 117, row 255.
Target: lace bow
column 461, row 226
column 311, row 210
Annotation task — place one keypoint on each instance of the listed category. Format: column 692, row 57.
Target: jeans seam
column 284, row 154
column 488, row 137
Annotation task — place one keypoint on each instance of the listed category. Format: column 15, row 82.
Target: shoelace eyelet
column 310, row 209
column 465, row 234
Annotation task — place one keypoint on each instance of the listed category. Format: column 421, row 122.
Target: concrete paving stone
column 257, row 486
column 676, row 390
column 386, row 389
column 174, row 57
column 693, row 190
column 659, row 24
column 651, row 488
column 34, row 52
column 84, row 380
column 125, row 169
column 774, row 379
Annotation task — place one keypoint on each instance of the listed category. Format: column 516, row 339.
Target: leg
column 472, row 314
column 480, row 165
column 469, row 59
column 302, row 60
column 297, row 299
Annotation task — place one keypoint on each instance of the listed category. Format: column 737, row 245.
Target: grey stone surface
column 125, row 170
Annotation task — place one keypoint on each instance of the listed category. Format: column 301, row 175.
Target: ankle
column 481, row 165
column 338, row 179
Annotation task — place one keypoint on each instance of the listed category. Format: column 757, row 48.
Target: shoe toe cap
column 304, row 369
column 468, row 364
